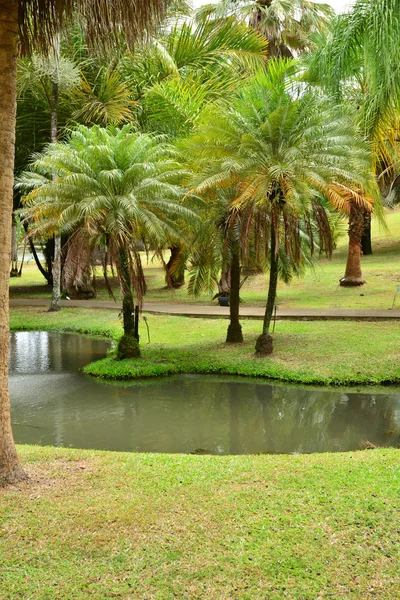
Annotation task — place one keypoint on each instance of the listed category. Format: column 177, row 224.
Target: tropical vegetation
column 113, row 188
column 283, row 152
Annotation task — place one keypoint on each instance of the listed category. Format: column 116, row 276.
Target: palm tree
column 180, row 76
column 288, row 26
column 359, row 60
column 282, row 149
column 121, row 188
column 25, row 24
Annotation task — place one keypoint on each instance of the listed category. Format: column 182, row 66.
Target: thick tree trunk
column 264, row 344
column 176, row 268
column 10, row 468
column 14, row 248
column 234, row 334
column 366, row 242
column 128, row 346
column 353, row 275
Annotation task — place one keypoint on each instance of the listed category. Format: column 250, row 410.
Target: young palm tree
column 25, row 24
column 282, row 150
column 121, row 188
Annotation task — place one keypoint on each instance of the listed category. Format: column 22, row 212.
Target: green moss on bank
column 320, row 352
column 105, row 525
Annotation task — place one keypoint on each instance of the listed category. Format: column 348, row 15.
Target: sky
column 338, row 5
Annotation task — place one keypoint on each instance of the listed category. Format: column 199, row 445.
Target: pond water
column 53, row 403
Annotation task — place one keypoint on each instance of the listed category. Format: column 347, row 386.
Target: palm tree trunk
column 264, row 344
column 234, row 334
column 128, row 346
column 10, row 468
column 366, row 243
column 56, row 270
column 353, row 275
column 14, row 248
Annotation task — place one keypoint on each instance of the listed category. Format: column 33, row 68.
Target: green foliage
column 282, row 153
column 118, row 184
column 289, row 26
column 363, row 47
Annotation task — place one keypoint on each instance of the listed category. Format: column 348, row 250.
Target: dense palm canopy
column 365, row 40
column 282, row 149
column 118, row 185
column 40, row 20
column 287, row 25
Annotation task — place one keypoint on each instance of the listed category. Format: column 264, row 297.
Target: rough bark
column 56, row 271
column 234, row 333
column 10, row 468
column 176, row 268
column 366, row 242
column 128, row 346
column 353, row 274
column 264, row 344
column 14, row 248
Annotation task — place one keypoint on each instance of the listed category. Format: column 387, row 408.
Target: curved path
column 212, row 311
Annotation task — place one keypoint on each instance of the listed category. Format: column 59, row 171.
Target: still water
column 53, row 403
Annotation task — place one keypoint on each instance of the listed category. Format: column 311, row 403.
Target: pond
column 53, row 403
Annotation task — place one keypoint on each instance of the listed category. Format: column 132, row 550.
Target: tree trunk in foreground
column 14, row 248
column 264, row 344
column 128, row 345
column 353, row 275
column 234, row 334
column 10, row 468
column 366, row 242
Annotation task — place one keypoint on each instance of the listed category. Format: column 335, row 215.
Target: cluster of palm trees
column 230, row 137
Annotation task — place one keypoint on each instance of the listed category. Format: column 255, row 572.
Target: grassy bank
column 112, row 525
column 338, row 353
column 317, row 289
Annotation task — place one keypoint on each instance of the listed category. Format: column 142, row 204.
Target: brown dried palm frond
column 78, row 264
column 103, row 21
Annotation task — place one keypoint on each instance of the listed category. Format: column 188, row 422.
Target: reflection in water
column 52, row 403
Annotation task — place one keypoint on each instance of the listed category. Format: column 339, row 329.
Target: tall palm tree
column 282, row 149
column 25, row 24
column 288, row 26
column 361, row 54
column 121, row 188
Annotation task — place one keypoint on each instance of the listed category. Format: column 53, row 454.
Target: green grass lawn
column 318, row 289
column 161, row 527
column 321, row 352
